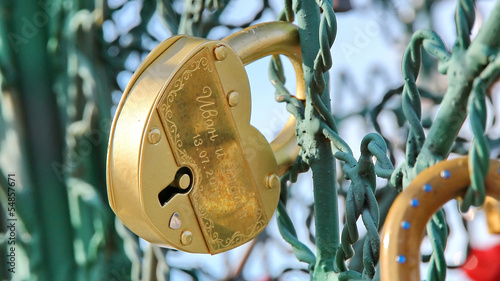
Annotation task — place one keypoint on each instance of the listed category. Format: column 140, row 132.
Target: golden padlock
column 408, row 216
column 178, row 172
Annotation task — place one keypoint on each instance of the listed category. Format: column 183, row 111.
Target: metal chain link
column 361, row 197
column 361, row 201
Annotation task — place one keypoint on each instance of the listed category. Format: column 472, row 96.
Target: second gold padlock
column 179, row 173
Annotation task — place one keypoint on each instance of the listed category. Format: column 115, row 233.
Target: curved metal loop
column 413, row 208
column 273, row 38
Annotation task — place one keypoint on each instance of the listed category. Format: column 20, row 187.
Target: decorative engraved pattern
column 165, row 108
column 216, row 234
column 219, row 243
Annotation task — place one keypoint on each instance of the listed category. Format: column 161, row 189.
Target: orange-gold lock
column 180, row 173
column 405, row 223
column 492, row 209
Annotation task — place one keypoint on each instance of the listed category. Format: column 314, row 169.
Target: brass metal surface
column 204, row 137
column 492, row 209
column 263, row 40
column 407, row 218
column 182, row 172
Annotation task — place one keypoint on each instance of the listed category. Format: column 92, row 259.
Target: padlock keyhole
column 182, row 184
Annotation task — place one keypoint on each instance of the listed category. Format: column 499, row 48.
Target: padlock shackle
column 273, row 38
column 269, row 38
column 408, row 216
column 153, row 136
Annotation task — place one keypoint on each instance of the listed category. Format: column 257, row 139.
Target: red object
column 483, row 265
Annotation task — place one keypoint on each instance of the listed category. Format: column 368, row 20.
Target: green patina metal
column 61, row 102
column 66, row 229
column 469, row 69
column 315, row 127
column 316, row 150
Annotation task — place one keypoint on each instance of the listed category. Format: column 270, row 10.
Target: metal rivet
column 233, row 98
column 414, row 202
column 186, row 237
column 405, row 225
column 427, row 187
column 175, row 221
column 220, row 52
column 182, row 181
column 401, row 259
column 445, row 174
column 273, row 181
column 154, row 136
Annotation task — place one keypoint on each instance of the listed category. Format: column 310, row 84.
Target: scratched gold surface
column 203, row 136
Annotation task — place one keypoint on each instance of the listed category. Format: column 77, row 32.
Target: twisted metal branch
column 464, row 17
column 403, row 175
column 437, row 230
column 287, row 230
column 434, row 45
column 323, row 60
column 431, row 42
column 479, row 152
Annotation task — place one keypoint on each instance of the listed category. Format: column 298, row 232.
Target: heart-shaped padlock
column 181, row 171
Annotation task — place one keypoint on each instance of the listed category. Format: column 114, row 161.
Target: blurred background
column 64, row 65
